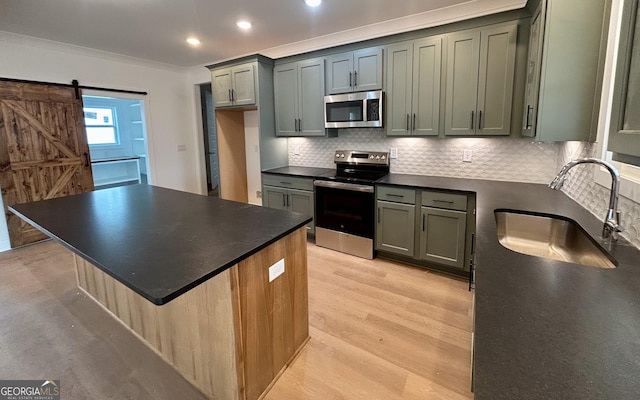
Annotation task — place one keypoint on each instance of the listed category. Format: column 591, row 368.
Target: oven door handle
column 344, row 186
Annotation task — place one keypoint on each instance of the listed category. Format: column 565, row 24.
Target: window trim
column 629, row 185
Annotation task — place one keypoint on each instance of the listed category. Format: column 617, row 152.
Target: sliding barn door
column 43, row 149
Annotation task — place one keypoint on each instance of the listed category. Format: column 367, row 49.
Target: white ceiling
column 156, row 29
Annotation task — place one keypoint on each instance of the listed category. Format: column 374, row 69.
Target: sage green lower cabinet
column 442, row 236
column 429, row 228
column 395, row 227
column 274, row 197
column 290, row 194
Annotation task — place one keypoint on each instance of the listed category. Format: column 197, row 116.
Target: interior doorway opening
column 117, row 137
column 210, row 141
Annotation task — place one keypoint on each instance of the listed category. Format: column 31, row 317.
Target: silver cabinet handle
column 285, row 183
column 284, row 201
column 442, row 201
column 299, row 124
column 378, row 214
column 414, row 121
column 295, row 124
column 423, row 222
column 472, row 119
column 350, row 79
column 407, row 122
column 395, row 195
column 230, row 95
column 288, row 201
column 480, row 120
column 355, row 78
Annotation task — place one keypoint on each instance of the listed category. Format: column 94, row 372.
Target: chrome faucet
column 612, row 220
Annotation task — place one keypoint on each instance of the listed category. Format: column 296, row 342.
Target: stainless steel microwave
column 354, row 110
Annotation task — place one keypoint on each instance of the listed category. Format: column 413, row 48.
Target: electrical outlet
column 276, row 270
column 296, row 149
column 182, row 147
column 467, row 155
column 393, row 152
column 259, row 194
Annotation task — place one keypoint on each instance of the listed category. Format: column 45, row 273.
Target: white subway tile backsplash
column 499, row 159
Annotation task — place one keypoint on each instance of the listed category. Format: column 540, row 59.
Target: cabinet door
column 427, row 59
column 367, row 69
column 274, row 197
column 339, row 73
column 395, row 228
column 399, row 89
column 301, row 201
column 442, row 236
column 534, row 62
column 221, row 87
column 244, row 86
column 463, row 50
column 311, row 97
column 285, row 90
column 495, row 83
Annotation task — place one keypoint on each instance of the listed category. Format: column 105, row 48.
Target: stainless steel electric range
column 345, row 202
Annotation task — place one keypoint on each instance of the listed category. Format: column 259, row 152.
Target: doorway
column 210, row 141
column 117, row 137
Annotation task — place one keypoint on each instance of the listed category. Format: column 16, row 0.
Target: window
column 101, row 126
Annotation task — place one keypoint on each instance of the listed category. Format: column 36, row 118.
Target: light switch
column 296, row 149
column 393, row 152
column 276, row 270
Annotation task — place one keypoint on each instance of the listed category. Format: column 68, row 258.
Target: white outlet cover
column 393, row 153
column 276, row 270
column 467, row 155
column 296, row 149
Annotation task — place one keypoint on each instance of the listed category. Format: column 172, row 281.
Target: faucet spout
column 612, row 219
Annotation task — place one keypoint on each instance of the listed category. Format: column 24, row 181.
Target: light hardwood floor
column 379, row 330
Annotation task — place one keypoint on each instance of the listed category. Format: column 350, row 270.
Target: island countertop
column 159, row 242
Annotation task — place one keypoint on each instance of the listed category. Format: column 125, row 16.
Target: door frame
column 148, row 130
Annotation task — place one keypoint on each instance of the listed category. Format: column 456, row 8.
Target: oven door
column 345, row 207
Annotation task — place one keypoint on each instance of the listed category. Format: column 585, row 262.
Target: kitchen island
column 217, row 288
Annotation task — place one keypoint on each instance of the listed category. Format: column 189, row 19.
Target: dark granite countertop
column 547, row 329
column 303, row 172
column 159, row 242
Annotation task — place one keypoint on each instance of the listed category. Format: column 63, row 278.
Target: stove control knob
column 383, row 157
column 337, row 155
column 378, row 157
column 342, row 155
column 371, row 156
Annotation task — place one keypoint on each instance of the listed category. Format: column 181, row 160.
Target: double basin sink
column 549, row 236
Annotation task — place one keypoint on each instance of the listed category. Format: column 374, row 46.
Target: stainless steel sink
column 549, row 236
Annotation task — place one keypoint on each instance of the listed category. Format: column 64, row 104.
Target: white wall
column 252, row 152
column 170, row 103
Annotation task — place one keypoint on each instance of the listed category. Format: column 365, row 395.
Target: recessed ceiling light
column 193, row 41
column 242, row 24
column 313, row 3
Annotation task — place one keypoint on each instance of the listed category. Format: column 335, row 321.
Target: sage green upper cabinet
column 624, row 136
column 299, row 94
column 354, row 71
column 413, row 87
column 480, row 80
column 234, row 86
column 566, row 64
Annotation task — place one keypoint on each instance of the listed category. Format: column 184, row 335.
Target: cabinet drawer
column 398, row 195
column 289, row 182
column 450, row 201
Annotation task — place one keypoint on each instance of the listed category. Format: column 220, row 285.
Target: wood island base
column 231, row 336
